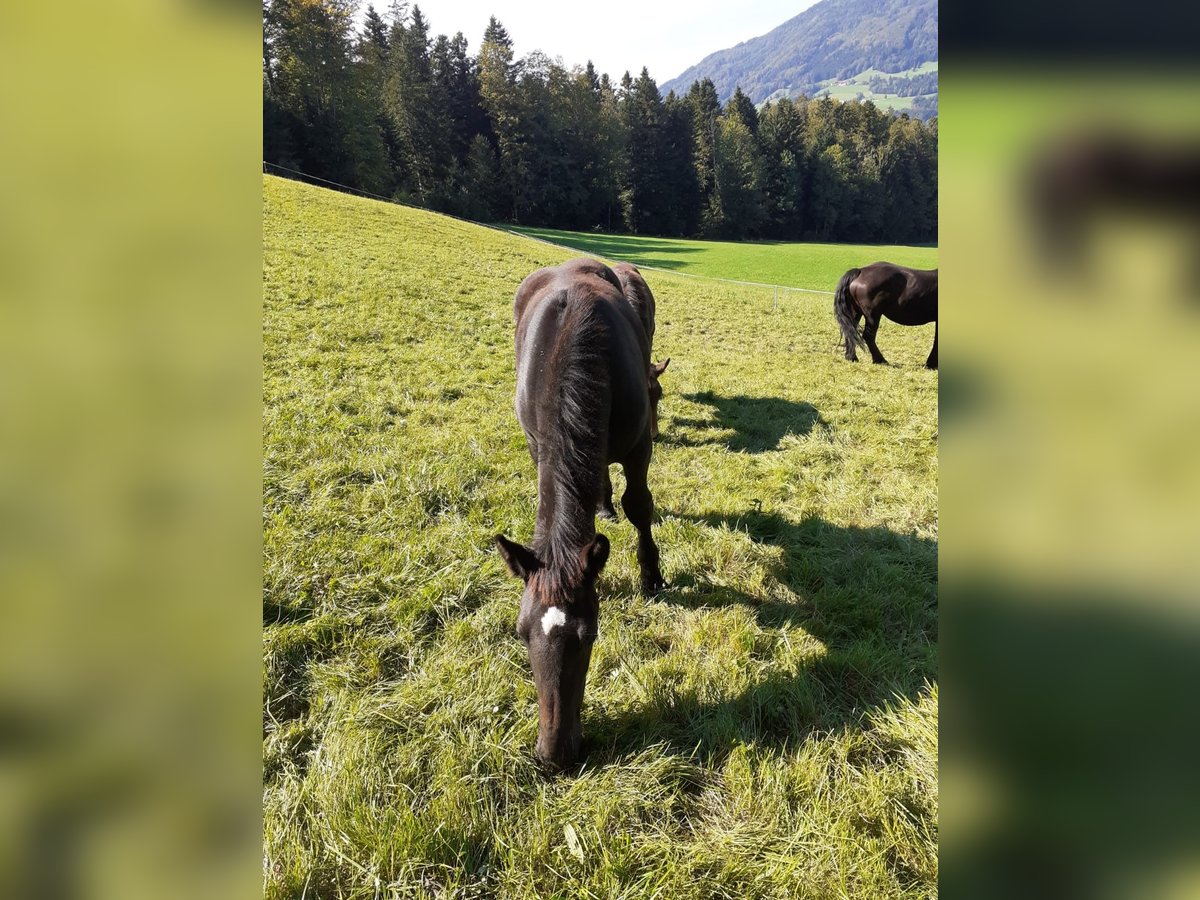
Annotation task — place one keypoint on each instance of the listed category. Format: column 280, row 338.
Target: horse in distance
column 906, row 296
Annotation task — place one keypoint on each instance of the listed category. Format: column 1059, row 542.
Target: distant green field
column 850, row 88
column 861, row 83
column 799, row 265
column 767, row 727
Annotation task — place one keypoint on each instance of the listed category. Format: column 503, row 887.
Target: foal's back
column 581, row 352
column 637, row 292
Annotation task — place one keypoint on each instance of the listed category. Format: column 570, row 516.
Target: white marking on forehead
column 553, row 618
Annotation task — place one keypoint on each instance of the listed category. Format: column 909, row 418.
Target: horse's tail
column 844, row 311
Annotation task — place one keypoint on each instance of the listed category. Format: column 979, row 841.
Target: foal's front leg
column 869, row 330
column 931, row 363
column 639, row 507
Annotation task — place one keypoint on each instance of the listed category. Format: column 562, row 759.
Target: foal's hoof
column 607, row 512
column 652, row 586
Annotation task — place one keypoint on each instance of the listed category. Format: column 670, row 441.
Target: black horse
column 583, row 402
column 1078, row 177
column 907, row 296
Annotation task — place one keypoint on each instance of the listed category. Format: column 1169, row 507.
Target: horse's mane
column 579, row 395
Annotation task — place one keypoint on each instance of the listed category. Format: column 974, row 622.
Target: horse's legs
column 931, row 363
column 639, row 507
column 869, row 330
column 851, row 353
column 605, row 510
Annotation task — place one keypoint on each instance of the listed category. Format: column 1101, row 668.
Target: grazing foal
column 583, row 402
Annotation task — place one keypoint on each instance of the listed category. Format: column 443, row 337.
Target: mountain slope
column 834, row 39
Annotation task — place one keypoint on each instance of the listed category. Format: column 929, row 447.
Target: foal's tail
column 845, row 312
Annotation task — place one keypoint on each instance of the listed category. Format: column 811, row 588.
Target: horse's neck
column 566, row 516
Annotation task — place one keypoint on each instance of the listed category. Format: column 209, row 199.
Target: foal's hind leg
column 869, row 330
column 605, row 510
column 931, row 363
column 639, row 507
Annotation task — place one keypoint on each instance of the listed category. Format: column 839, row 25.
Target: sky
column 616, row 35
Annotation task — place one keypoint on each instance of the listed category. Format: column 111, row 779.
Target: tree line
column 385, row 108
column 913, row 86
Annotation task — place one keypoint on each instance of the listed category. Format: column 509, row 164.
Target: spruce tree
column 705, row 109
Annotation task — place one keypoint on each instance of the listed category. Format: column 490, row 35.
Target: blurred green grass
column 1070, row 486
column 766, row 728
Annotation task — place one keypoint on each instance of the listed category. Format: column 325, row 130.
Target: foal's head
column 558, row 622
column 656, row 392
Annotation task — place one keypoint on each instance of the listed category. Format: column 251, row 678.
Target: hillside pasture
column 767, row 727
column 849, row 88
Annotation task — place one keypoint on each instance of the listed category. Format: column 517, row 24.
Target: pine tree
column 374, row 34
column 457, row 83
column 317, row 89
column 739, row 179
column 499, row 97
column 416, row 109
column 679, row 168
column 589, row 139
column 372, row 53
column 705, row 109
column 643, row 196
column 741, row 107
column 825, row 193
column 483, row 196
column 781, row 136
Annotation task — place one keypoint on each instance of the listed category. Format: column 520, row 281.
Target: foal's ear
column 519, row 558
column 661, row 367
column 595, row 555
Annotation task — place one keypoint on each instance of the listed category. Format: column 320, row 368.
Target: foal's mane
column 578, row 397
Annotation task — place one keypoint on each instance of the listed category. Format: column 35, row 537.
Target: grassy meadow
column 861, row 84
column 810, row 266
column 767, row 727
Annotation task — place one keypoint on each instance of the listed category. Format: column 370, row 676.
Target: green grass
column 765, row 728
column 811, row 266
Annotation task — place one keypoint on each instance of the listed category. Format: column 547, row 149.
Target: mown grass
column 765, row 728
column 812, row 266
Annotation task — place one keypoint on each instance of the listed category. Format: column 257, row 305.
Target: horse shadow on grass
column 758, row 424
column 869, row 595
